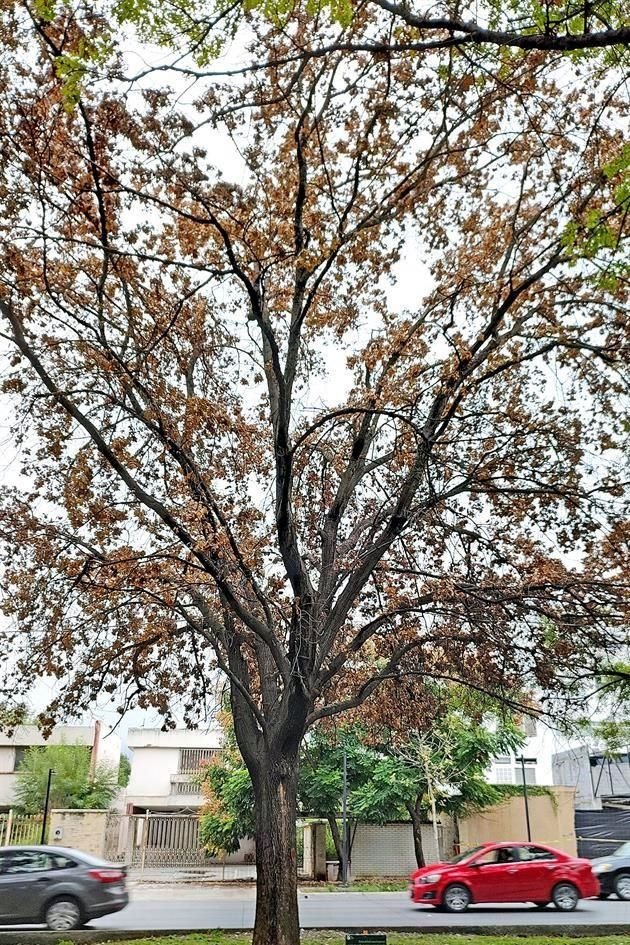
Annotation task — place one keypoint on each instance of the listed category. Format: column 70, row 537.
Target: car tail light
column 107, row 876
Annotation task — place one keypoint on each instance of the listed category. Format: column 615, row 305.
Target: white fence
column 20, row 829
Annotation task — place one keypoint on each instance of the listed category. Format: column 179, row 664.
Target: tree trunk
column 277, row 919
column 416, row 826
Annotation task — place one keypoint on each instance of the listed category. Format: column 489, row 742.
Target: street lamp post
column 523, row 762
column 344, row 821
column 46, row 806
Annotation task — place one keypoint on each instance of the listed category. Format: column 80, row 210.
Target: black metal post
column 46, row 805
column 344, row 821
column 526, row 799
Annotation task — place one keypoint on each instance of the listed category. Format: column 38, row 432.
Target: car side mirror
column 474, row 865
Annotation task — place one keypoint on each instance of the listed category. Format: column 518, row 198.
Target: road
column 179, row 906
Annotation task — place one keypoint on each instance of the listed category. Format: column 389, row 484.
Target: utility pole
column 46, row 805
column 525, row 797
column 344, row 821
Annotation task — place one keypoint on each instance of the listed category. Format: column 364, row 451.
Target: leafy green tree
column 320, row 780
column 443, row 768
column 124, row 771
column 73, row 785
column 228, row 813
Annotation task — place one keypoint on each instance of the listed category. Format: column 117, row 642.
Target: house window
column 191, row 759
column 19, row 753
column 503, row 774
column 530, row 774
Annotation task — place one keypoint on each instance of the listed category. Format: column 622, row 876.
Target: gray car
column 613, row 873
column 58, row 887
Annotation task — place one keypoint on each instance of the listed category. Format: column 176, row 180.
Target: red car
column 506, row 872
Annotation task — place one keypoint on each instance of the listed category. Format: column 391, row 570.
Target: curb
column 562, row 932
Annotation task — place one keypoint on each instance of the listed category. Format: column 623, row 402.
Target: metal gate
column 154, row 840
column 600, row 832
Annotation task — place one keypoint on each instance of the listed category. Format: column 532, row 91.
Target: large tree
column 240, row 451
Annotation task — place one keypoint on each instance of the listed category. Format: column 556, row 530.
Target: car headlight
column 429, row 878
column 602, row 868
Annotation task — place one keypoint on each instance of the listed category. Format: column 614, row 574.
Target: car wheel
column 622, row 885
column 541, row 905
column 456, row 898
column 565, row 897
column 63, row 914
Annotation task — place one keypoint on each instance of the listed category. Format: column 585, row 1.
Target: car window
column 623, row 850
column 530, row 853
column 25, row 861
column 498, row 855
column 490, row 856
column 59, row 862
column 464, row 855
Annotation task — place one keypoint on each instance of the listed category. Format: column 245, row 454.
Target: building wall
column 25, row 736
column 150, row 778
column 539, row 745
column 155, row 766
column 552, row 821
column 592, row 776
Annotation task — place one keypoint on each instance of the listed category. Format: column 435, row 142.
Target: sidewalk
column 229, row 873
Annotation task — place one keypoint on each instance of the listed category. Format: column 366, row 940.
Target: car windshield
column 623, row 850
column 464, row 856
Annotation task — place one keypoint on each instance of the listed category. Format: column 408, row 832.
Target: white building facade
column 103, row 744
column 537, row 754
column 165, row 768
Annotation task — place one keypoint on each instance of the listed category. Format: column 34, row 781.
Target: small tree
column 456, row 757
column 124, row 771
column 228, row 813
column 74, row 784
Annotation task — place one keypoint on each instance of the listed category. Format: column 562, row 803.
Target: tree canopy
column 74, row 784
column 240, row 450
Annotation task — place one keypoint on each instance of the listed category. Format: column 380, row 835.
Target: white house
column 104, row 746
column 165, row 768
column 537, row 754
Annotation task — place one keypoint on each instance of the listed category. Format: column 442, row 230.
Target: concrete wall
column 150, row 778
column 314, row 863
column 389, row 850
column 552, row 821
column 81, row 829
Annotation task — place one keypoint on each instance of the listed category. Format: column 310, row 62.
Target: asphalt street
column 189, row 907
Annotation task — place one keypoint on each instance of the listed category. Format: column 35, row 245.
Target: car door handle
column 44, row 879
column 512, row 869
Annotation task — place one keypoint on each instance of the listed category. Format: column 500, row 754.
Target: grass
column 393, row 938
column 378, row 884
